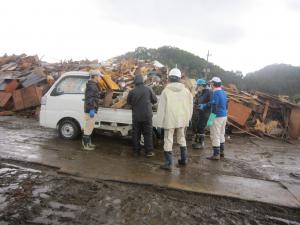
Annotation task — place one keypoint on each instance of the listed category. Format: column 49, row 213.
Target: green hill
column 275, row 79
column 187, row 62
column 279, row 79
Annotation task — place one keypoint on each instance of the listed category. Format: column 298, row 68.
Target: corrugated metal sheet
column 27, row 97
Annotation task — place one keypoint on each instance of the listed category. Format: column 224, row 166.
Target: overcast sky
column 241, row 35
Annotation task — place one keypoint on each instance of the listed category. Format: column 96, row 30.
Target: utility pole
column 206, row 70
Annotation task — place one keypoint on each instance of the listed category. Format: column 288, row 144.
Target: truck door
column 66, row 99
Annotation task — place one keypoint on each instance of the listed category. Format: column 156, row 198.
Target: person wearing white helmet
column 174, row 113
column 218, row 106
column 91, row 99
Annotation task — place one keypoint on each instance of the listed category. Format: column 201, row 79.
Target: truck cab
column 62, row 108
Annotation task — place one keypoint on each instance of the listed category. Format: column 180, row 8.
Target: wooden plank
column 245, row 131
column 294, row 123
column 266, row 109
column 120, row 104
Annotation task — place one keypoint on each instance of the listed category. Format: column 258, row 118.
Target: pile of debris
column 24, row 79
column 260, row 114
column 118, row 79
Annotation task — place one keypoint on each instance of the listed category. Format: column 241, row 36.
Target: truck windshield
column 72, row 85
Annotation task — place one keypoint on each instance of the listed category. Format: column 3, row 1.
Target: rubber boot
column 90, row 143
column 201, row 140
column 85, row 143
column 197, row 144
column 183, row 154
column 222, row 148
column 150, row 154
column 168, row 161
column 216, row 154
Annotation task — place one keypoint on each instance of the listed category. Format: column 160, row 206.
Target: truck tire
column 68, row 129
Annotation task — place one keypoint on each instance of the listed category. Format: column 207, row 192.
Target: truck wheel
column 68, row 129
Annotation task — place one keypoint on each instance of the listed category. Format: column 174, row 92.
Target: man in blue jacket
column 219, row 108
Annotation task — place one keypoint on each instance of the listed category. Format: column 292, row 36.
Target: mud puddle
column 31, row 194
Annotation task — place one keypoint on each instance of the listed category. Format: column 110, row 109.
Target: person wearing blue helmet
column 200, row 115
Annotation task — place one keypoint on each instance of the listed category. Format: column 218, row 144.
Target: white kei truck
column 62, row 108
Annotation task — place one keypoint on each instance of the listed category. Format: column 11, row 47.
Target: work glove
column 202, row 106
column 92, row 113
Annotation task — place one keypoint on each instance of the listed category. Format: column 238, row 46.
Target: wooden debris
column 264, row 114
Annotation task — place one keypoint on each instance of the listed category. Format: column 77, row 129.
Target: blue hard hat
column 201, row 82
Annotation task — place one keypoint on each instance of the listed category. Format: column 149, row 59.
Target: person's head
column 201, row 84
column 138, row 80
column 174, row 75
column 216, row 82
column 94, row 74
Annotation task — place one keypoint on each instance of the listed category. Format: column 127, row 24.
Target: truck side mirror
column 57, row 91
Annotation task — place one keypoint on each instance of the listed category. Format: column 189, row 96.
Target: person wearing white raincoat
column 175, row 109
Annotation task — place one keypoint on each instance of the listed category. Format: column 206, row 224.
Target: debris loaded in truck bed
column 118, row 79
column 262, row 114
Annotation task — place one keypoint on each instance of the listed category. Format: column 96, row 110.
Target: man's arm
column 153, row 96
column 129, row 98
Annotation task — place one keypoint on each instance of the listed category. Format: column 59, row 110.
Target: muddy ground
column 33, row 194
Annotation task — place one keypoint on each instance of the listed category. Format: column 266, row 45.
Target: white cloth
column 217, row 131
column 168, row 138
column 89, row 124
column 175, row 107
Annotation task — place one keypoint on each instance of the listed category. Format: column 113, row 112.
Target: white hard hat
column 175, row 72
column 216, row 79
column 95, row 73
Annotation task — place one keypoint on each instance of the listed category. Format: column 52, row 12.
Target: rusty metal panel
column 18, row 100
column 4, row 98
column 27, row 97
column 238, row 113
column 12, row 85
column 294, row 123
column 31, row 97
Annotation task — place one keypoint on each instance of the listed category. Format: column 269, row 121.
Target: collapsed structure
column 24, row 79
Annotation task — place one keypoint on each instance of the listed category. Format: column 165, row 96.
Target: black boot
column 168, row 161
column 197, row 144
column 85, row 143
column 216, row 154
column 183, row 154
column 222, row 148
column 201, row 140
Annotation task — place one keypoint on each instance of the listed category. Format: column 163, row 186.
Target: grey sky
column 241, row 34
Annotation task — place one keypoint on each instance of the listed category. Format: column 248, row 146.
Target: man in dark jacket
column 200, row 116
column 141, row 98
column 92, row 97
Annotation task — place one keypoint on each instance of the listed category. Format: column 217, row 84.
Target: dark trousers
column 202, row 122
column 139, row 128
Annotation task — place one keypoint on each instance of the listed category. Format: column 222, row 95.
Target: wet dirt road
column 32, row 194
column 266, row 171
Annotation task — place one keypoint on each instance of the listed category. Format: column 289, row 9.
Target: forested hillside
column 276, row 79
